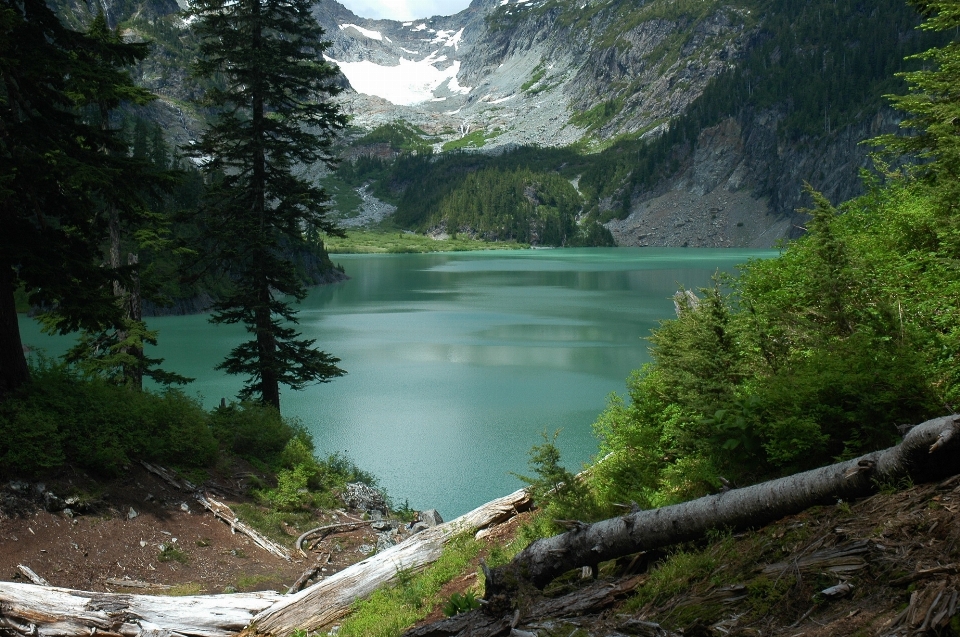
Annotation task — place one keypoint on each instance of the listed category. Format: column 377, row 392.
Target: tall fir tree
column 933, row 117
column 266, row 57
column 58, row 170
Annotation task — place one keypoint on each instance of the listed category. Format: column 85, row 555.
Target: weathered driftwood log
column 326, row 530
column 27, row 572
column 222, row 512
column 41, row 611
column 330, row 599
column 929, row 451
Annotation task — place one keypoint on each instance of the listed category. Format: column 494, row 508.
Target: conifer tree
column 933, row 108
column 58, row 170
column 265, row 57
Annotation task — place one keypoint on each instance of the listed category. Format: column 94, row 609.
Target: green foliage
column 538, row 74
column 59, row 417
column 553, row 487
column 804, row 359
column 932, row 105
column 63, row 165
column 476, row 139
column 257, row 207
column 400, row 135
column 172, row 553
column 383, row 241
column 252, row 430
column 674, row 575
column 460, row 603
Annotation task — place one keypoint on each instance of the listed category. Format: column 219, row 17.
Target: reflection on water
column 456, row 362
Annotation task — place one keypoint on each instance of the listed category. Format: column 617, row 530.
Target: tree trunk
column 928, row 451
column 13, row 363
column 135, row 313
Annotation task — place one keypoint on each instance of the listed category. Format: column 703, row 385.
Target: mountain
column 677, row 122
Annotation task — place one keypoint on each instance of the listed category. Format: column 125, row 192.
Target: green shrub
column 60, row 417
column 252, row 430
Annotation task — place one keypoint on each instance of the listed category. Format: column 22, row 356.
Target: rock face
column 521, row 73
column 741, row 187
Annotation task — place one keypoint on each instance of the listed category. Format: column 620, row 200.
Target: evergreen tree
column 266, row 56
column 933, row 107
column 57, row 170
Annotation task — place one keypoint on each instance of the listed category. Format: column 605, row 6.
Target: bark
column 40, row 611
column 330, row 599
column 13, row 363
column 929, row 451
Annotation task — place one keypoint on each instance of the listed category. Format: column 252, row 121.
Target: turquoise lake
column 458, row 361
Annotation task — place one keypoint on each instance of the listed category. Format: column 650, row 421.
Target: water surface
column 457, row 361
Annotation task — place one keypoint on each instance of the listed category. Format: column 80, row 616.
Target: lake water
column 457, row 361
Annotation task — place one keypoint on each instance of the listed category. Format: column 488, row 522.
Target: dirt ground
column 141, row 531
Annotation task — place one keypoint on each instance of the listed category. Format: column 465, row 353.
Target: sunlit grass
column 397, row 241
column 390, row 611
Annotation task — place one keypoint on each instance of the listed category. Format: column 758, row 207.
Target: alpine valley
column 585, row 122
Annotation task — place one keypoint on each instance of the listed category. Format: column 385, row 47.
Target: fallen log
column 28, row 572
column 41, row 611
column 314, row 570
column 222, row 512
column 930, row 451
column 330, row 599
column 327, row 529
column 136, row 583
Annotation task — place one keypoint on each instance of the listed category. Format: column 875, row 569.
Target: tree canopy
column 272, row 115
column 58, row 169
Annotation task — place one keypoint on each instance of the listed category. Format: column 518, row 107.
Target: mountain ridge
column 742, row 100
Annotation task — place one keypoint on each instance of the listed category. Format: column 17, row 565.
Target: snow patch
column 373, row 35
column 409, row 82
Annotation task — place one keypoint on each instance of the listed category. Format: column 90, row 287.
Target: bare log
column 309, row 573
column 30, row 575
column 41, row 611
column 169, row 477
column 223, row 512
column 330, row 599
column 136, row 583
column 329, row 528
column 929, row 451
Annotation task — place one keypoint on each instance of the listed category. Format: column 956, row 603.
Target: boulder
column 363, row 497
column 430, row 517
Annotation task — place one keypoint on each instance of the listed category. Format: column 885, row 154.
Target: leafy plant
column 172, row 553
column 460, row 603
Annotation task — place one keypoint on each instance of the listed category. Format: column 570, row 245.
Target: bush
column 252, row 430
column 59, row 417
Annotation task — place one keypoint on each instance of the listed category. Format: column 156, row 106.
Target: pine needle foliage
column 273, row 115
